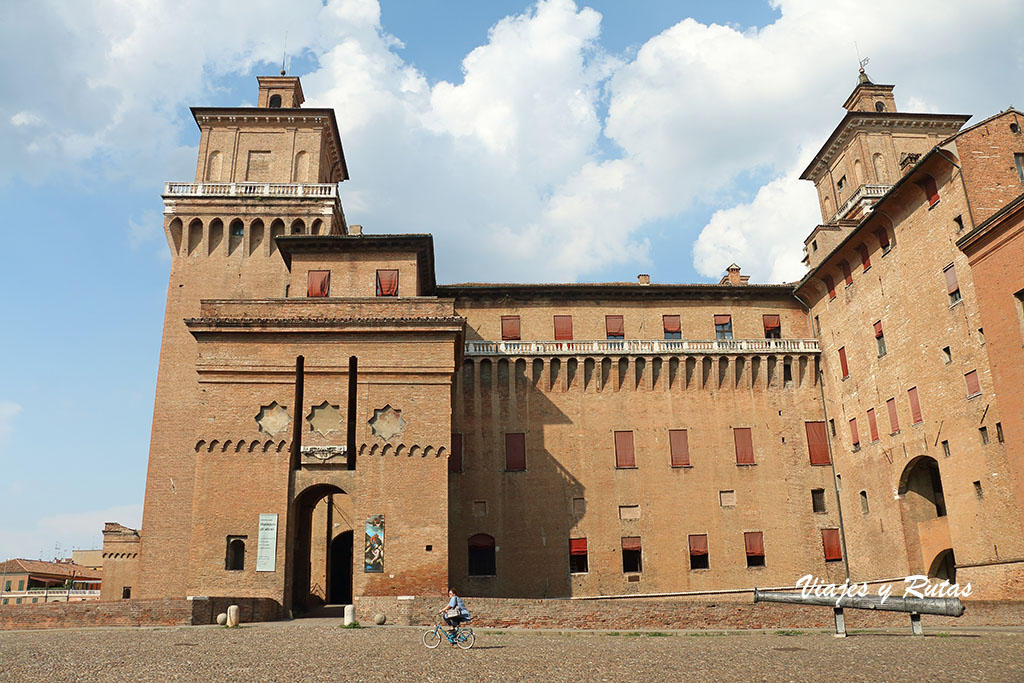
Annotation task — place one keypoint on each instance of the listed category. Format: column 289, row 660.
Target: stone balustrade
column 314, row 190
column 640, row 347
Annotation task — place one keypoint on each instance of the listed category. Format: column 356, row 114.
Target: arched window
column 879, row 106
column 213, row 167
column 236, row 553
column 275, row 102
column 300, row 174
column 236, row 235
column 481, row 555
column 881, row 172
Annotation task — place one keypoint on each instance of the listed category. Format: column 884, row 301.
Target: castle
column 331, row 423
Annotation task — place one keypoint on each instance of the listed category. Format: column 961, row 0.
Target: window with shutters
column 772, row 327
column 854, row 434
column 578, row 556
column 510, row 328
column 865, row 258
column 973, row 384
column 883, row 240
column 872, row 425
column 318, row 283
column 753, row 542
column 744, row 443
column 952, row 284
column 880, row 339
column 931, row 191
column 614, row 327
column 847, row 275
column 632, row 555
column 831, row 285
column 515, row 452
column 817, row 443
column 842, row 362
column 387, row 283
column 915, row 406
column 894, row 420
column 563, row 327
column 723, row 327
column 699, row 551
column 673, row 327
column 679, row 447
column 625, row 457
column 832, row 544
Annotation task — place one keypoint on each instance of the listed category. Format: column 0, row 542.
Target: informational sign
column 266, row 543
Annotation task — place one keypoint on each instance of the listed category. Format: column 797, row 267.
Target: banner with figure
column 373, row 556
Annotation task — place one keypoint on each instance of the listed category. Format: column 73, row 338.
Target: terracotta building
column 332, row 423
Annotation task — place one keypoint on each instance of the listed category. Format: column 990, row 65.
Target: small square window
column 479, row 508
column 727, row 499
column 977, row 490
column 579, row 506
column 318, row 283
column 629, row 512
column 999, row 432
column 723, row 327
column 387, row 283
column 983, row 433
column 818, row 501
column 510, row 328
column 947, row 355
column 945, row 448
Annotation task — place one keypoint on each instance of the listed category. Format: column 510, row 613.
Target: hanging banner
column 266, row 543
column 373, row 557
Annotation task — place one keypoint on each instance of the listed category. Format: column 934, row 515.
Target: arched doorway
column 923, row 509
column 944, row 566
column 321, row 568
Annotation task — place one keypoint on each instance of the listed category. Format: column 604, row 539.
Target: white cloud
column 39, row 538
column 26, row 118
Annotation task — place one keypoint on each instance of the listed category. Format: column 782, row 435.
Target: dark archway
column 302, row 548
column 944, row 566
column 921, row 488
column 339, row 583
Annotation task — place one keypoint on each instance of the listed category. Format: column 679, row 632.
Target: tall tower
column 262, row 172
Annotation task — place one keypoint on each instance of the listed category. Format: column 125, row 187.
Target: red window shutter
column 847, row 275
column 577, row 546
column 723, row 319
column 614, row 326
column 509, row 327
column 973, row 385
column 928, row 185
column 951, row 282
column 872, row 424
column 878, row 329
column 631, row 543
column 744, row 445
column 672, row 323
column 831, row 287
column 318, row 283
column 387, row 283
column 698, row 544
column 771, row 322
column 515, row 452
column 563, row 327
column 915, row 406
column 894, row 420
column 817, row 443
column 842, row 362
column 883, row 237
column 833, row 547
column 854, row 434
column 624, row 455
column 455, row 458
column 679, row 445
column 864, row 257
column 754, row 543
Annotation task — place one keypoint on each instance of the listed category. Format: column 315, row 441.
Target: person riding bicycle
column 455, row 612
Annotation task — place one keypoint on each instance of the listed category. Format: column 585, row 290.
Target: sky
column 551, row 141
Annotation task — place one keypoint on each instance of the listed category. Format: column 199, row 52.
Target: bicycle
column 463, row 637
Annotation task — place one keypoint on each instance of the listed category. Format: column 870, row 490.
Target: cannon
column 947, row 607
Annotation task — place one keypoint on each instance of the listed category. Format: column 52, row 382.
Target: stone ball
column 379, row 618
column 222, row 618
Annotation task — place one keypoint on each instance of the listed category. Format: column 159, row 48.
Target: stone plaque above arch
column 387, row 423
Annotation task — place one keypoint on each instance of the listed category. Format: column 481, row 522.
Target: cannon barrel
column 947, row 607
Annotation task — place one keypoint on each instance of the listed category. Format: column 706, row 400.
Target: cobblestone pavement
column 318, row 649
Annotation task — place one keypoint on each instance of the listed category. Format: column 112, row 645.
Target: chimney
column 355, row 229
column 733, row 278
column 643, row 279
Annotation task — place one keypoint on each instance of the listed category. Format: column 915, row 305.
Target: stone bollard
column 232, row 616
column 222, row 619
column 350, row 614
column 380, row 618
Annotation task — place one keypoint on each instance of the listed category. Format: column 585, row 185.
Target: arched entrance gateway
column 322, row 548
column 925, row 525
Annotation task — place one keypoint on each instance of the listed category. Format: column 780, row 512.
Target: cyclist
column 455, row 612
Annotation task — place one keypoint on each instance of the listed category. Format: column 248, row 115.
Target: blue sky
column 549, row 141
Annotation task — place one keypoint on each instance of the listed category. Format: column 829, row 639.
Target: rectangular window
column 673, row 326
column 7, row 587
column 744, row 441
column 727, row 499
column 723, row 327
column 563, row 327
column 999, row 432
column 510, row 328
column 872, row 425
column 832, row 426
column 854, row 434
column 842, row 362
column 983, row 433
column 880, row 339
column 754, row 544
column 818, row 501
column 865, row 258
column 614, row 327
column 831, row 285
column 698, row 551
column 883, row 240
column 679, row 447
column 952, row 285
column 847, row 275
column 915, row 406
column 455, row 457
column 945, row 448
column 515, row 452
column 817, row 443
column 833, row 546
column 1018, row 160
column 932, row 192
column 632, row 561
column 318, row 283
column 947, row 355
column 579, row 506
column 973, row 385
column 21, row 585
column 624, row 454
column 629, row 512
column 894, row 420
column 772, row 327
column 387, row 283
column 578, row 556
